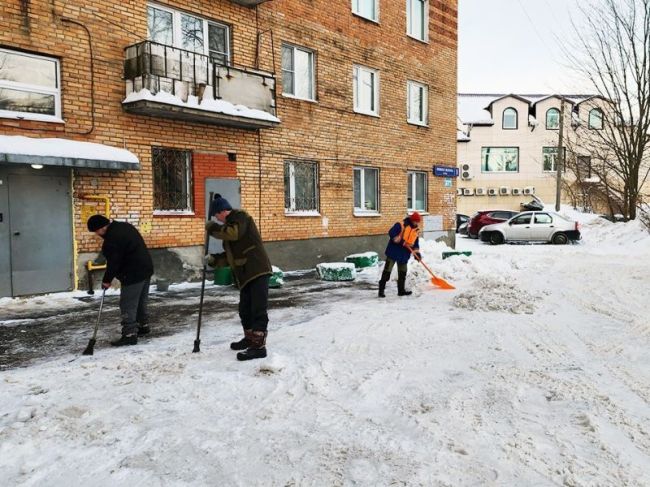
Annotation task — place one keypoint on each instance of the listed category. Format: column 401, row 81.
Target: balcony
column 164, row 81
column 249, row 3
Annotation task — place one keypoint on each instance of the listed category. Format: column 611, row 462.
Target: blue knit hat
column 219, row 204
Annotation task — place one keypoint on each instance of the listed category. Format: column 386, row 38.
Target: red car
column 487, row 217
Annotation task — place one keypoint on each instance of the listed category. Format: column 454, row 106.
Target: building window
column 367, row 9
column 416, row 196
column 552, row 119
column 173, row 28
column 500, row 159
column 549, row 158
column 596, row 119
column 366, row 90
column 584, row 167
column 298, row 72
column 418, row 101
column 172, row 179
column 30, row 86
column 300, row 186
column 509, row 119
column 417, row 16
column 366, row 190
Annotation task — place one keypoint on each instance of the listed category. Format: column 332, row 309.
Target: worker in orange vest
column 403, row 237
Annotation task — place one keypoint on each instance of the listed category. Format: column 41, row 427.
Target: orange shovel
column 436, row 281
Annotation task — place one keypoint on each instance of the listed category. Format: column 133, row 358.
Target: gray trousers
column 133, row 306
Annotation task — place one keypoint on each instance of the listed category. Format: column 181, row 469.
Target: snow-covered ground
column 534, row 371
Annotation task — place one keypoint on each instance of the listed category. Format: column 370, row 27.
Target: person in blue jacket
column 403, row 235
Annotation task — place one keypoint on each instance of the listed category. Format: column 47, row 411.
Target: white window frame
column 424, row 120
column 357, row 11
column 590, row 125
column 356, row 87
column 547, row 150
column 56, row 92
column 292, row 190
column 362, row 210
column 412, row 183
column 516, row 119
column 423, row 35
column 312, row 74
column 485, row 170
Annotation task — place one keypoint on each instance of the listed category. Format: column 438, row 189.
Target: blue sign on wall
column 446, row 171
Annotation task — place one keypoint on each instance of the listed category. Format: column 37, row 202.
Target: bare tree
column 613, row 53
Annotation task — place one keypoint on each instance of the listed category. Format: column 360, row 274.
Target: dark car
column 460, row 221
column 487, row 217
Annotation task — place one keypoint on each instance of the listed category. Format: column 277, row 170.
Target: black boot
column 143, row 330
column 385, row 276
column 401, row 283
column 257, row 348
column 244, row 343
column 125, row 340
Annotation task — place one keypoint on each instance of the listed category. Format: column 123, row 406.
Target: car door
column 543, row 226
column 519, row 228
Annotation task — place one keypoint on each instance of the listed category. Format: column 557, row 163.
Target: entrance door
column 40, row 227
column 229, row 189
column 5, row 253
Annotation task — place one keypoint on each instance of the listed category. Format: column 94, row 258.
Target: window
column 543, row 218
column 522, row 220
column 366, row 91
column 552, row 119
column 509, row 121
column 417, row 13
column 297, row 72
column 29, row 86
column 500, row 159
column 300, row 186
column 418, row 101
column 366, row 189
column 172, row 180
column 416, row 197
column 366, row 9
column 584, row 167
column 549, row 158
column 189, row 32
column 596, row 119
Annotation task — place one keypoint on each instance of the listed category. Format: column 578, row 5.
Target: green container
column 367, row 259
column 223, row 276
column 277, row 278
column 456, row 252
column 337, row 271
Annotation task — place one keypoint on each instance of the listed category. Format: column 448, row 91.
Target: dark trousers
column 133, row 306
column 254, row 303
column 401, row 268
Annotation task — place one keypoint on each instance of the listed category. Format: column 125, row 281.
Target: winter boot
column 385, row 276
column 257, row 348
column 401, row 282
column 244, row 343
column 125, row 340
column 143, row 330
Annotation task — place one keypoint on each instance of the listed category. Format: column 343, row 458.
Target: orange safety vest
column 409, row 234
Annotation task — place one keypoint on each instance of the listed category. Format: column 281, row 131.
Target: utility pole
column 559, row 160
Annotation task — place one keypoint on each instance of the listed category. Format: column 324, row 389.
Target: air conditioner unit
column 503, row 190
column 459, row 191
column 466, row 172
column 516, row 191
column 468, row 191
column 480, row 192
column 492, row 192
column 529, row 190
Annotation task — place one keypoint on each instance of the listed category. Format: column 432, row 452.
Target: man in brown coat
column 251, row 268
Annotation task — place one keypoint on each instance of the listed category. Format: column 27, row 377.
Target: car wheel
column 560, row 239
column 496, row 238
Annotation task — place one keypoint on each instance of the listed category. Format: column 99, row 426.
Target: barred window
column 300, row 186
column 172, row 179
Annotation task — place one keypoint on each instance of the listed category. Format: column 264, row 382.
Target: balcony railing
column 249, row 3
column 168, row 82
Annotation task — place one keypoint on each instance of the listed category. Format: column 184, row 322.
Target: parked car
column 460, row 221
column 532, row 226
column 487, row 217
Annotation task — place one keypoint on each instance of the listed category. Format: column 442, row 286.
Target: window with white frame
column 366, row 190
column 190, row 32
column 509, row 121
column 417, row 18
column 416, row 193
column 596, row 119
column 366, row 8
column 298, row 72
column 550, row 159
column 500, row 159
column 300, row 186
column 417, row 102
column 30, row 86
column 172, row 179
column 366, row 90
column 552, row 119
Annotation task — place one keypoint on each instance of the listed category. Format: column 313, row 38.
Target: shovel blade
column 441, row 283
column 90, row 348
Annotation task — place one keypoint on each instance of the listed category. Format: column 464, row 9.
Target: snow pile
column 493, row 293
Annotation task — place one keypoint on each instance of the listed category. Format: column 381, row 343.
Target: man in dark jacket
column 251, row 268
column 128, row 260
column 404, row 236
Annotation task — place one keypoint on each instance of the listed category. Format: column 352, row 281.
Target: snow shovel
column 436, row 281
column 91, row 343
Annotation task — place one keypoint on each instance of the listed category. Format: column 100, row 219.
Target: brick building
column 321, row 119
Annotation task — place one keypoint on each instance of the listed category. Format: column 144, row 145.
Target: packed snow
column 534, row 371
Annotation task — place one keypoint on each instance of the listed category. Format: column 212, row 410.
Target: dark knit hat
column 96, row 222
column 219, row 204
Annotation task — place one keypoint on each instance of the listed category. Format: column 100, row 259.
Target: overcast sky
column 511, row 46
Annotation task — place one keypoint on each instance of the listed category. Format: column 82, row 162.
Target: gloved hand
column 209, row 260
column 210, row 225
column 106, row 285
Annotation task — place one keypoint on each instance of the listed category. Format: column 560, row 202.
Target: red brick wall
column 204, row 166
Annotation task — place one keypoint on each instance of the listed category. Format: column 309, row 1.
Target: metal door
column 40, row 220
column 5, row 252
column 229, row 189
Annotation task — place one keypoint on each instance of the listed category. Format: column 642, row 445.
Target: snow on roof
column 462, row 136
